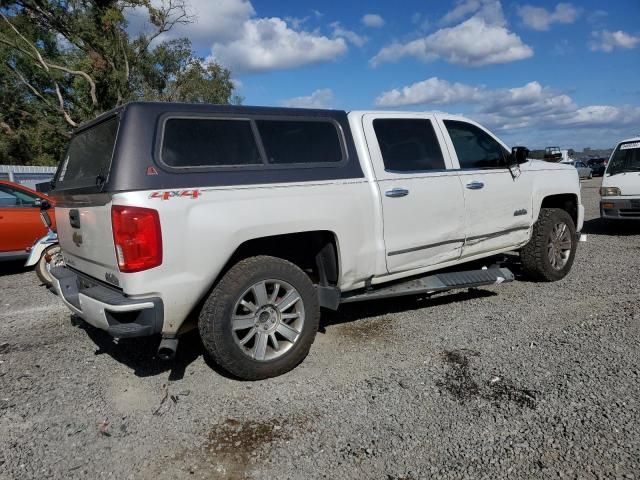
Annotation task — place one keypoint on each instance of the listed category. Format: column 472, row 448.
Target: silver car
column 583, row 169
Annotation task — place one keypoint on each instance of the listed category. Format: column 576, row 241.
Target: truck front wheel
column 261, row 318
column 549, row 255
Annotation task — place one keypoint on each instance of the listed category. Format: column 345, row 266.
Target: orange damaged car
column 20, row 222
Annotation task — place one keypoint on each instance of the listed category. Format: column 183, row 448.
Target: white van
column 620, row 189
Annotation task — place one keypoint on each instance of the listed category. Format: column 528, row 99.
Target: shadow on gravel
column 461, row 384
column 13, row 267
column 140, row 354
column 374, row 308
column 599, row 226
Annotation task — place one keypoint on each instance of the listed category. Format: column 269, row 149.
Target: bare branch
column 67, row 117
column 86, row 76
column 20, row 49
column 165, row 17
column 48, row 65
column 127, row 72
column 6, row 128
column 40, row 59
column 58, row 26
column 29, row 86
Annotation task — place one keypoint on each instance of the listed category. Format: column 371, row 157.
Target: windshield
column 626, row 158
column 88, row 158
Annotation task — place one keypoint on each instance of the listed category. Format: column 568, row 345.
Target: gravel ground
column 522, row 380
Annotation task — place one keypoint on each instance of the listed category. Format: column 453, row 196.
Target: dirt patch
column 368, row 329
column 240, row 439
column 231, row 449
column 502, row 390
column 463, row 385
column 458, row 381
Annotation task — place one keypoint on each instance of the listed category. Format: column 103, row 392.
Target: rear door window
column 289, row 142
column 476, row 149
column 408, row 145
column 88, row 157
column 197, row 142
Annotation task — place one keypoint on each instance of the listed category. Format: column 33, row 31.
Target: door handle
column 397, row 192
column 475, row 185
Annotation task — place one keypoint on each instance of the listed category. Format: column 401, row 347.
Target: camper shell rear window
column 87, row 161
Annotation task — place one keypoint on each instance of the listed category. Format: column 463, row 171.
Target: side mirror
column 519, row 155
column 42, row 204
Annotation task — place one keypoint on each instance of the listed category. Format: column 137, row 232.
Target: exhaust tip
column 167, row 348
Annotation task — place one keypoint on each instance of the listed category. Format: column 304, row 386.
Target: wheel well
column 316, row 253
column 564, row 201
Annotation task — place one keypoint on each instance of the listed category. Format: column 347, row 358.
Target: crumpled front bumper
column 107, row 308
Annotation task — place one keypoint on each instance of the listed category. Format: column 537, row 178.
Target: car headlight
column 609, row 191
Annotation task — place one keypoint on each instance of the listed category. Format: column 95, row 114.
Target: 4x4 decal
column 176, row 193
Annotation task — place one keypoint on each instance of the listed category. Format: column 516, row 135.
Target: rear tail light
column 137, row 238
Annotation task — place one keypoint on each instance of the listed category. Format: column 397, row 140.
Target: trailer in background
column 35, row 177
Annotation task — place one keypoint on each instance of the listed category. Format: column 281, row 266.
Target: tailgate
column 83, row 211
column 86, row 239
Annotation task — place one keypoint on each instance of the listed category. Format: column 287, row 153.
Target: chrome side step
column 439, row 282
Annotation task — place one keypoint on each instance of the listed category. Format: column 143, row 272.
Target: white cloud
column 529, row 106
column 606, row 41
column 244, row 42
column 322, row 98
column 219, row 20
column 372, row 20
column 421, row 21
column 480, row 40
column 541, row 19
column 431, row 91
column 297, row 22
column 353, row 37
column 604, row 116
column 269, row 44
column 462, row 9
column 473, row 43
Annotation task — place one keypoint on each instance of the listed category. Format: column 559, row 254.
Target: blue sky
column 536, row 72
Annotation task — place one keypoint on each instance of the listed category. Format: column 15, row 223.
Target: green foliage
column 63, row 62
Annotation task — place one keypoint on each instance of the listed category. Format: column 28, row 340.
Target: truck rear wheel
column 549, row 255
column 261, row 319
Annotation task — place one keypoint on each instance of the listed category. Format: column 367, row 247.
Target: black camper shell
column 134, row 155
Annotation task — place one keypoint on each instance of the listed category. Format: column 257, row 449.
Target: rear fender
column 39, row 247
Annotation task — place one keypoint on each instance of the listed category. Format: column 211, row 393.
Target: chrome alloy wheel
column 267, row 319
column 559, row 245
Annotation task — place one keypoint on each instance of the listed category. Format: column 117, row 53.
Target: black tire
column 42, row 267
column 215, row 317
column 534, row 255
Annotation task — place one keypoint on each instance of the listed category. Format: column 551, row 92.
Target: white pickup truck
column 249, row 219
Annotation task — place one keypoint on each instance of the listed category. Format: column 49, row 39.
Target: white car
column 620, row 188
column 251, row 219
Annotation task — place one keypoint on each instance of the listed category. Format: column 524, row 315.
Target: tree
column 63, row 62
